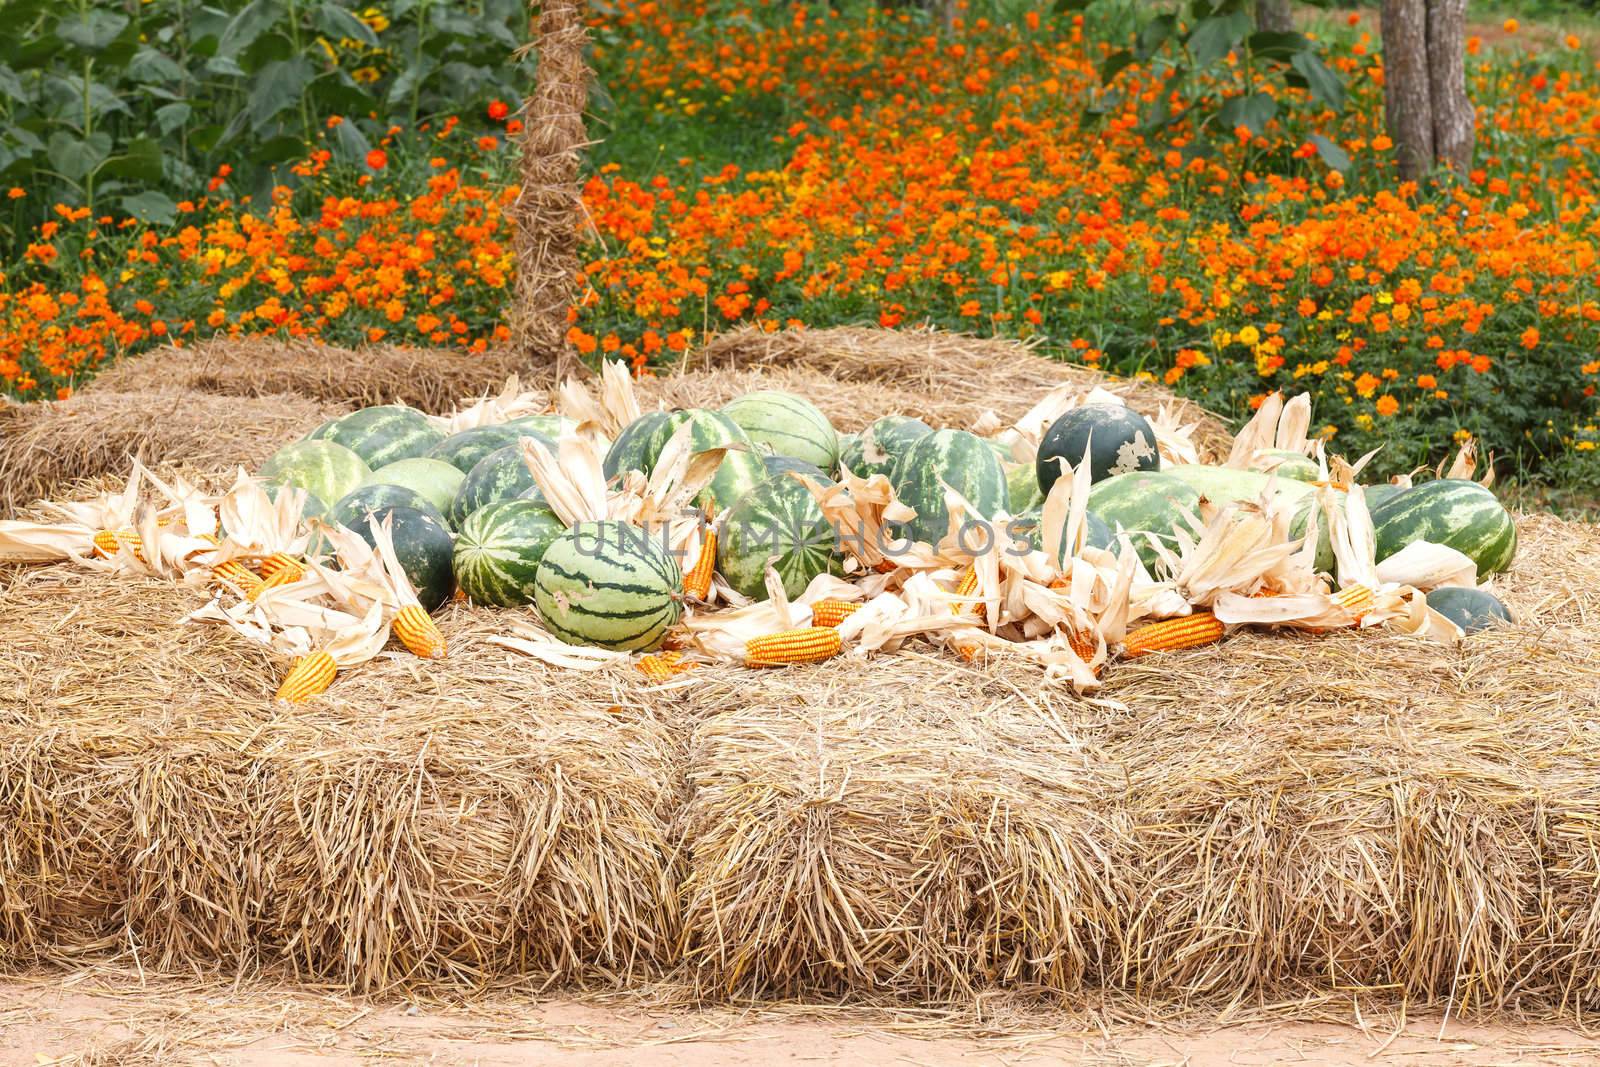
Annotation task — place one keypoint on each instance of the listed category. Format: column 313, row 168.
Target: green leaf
column 171, row 116
column 1115, row 64
column 226, row 66
column 151, row 206
column 139, row 162
column 149, row 65
column 1325, row 84
column 1252, row 111
column 74, row 158
column 350, row 144
column 93, row 30
column 1061, row 7
column 278, row 87
column 11, row 85
column 1216, row 36
column 1333, row 155
column 336, row 22
column 1154, row 34
column 1272, row 45
column 401, row 88
column 279, row 149
column 243, row 29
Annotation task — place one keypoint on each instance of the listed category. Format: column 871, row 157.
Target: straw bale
column 948, row 378
column 438, row 823
column 431, row 379
column 46, row 447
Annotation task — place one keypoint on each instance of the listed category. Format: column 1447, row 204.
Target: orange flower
column 377, row 159
column 1510, row 25
column 1387, row 405
column 498, row 110
column 1530, row 337
column 1427, row 381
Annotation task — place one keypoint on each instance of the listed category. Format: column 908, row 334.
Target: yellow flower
column 1249, row 335
column 366, row 75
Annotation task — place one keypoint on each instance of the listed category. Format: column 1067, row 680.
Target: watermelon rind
column 777, row 465
column 741, row 468
column 1460, row 514
column 463, row 450
column 501, row 475
column 353, row 508
column 1022, row 486
column 783, row 424
column 610, row 584
column 553, row 427
column 499, row 549
column 384, row 434
column 434, row 480
column 954, row 458
column 1474, row 610
column 422, row 545
column 324, row 468
column 779, row 522
column 1144, row 505
column 875, row 449
column 1379, row 492
column 1113, row 438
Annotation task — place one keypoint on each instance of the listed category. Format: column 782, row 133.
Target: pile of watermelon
column 467, row 518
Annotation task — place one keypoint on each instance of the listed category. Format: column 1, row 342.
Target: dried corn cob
column 279, row 577
column 1357, row 598
column 663, row 666
column 1188, row 631
column 282, row 567
column 966, row 587
column 107, row 544
column 419, row 633
column 832, row 612
column 808, row 644
column 697, row 583
column 1083, row 644
column 310, row 676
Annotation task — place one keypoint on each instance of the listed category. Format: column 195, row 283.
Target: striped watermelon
column 463, row 450
column 381, row 435
column 876, row 448
column 501, row 475
column 777, row 465
column 1286, row 463
column 628, row 451
column 1097, row 533
column 955, row 458
column 499, row 549
column 1113, row 437
column 611, row 584
column 550, row 426
column 782, row 424
column 779, row 521
column 739, row 471
column 1450, row 511
column 424, row 548
column 322, row 468
column 1145, row 505
column 1224, row 485
column 434, row 480
column 1378, row 492
column 1471, row 609
column 353, row 508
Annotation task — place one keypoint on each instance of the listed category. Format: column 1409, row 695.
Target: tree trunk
column 1273, row 16
column 549, row 204
column 1453, row 116
column 1407, row 94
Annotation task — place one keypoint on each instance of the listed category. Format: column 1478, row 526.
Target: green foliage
column 130, row 107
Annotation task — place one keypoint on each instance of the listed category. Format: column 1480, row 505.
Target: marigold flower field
column 781, row 164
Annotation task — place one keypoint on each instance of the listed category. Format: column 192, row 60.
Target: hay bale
column 432, row 379
column 948, row 378
column 445, row 823
column 47, row 447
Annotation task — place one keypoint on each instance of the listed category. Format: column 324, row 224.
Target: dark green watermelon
column 463, row 450
column 499, row 550
column 1471, row 609
column 628, row 451
column 501, row 475
column 1113, row 437
column 777, row 465
column 381, row 435
column 1449, row 511
column 354, row 507
column 955, row 458
column 875, row 449
column 424, row 548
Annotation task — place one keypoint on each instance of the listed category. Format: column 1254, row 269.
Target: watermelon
column 423, row 546
column 322, row 468
column 1286, row 463
column 381, row 435
column 463, row 450
column 501, row 475
column 499, row 549
column 955, row 458
column 777, row 465
column 879, row 445
column 313, row 508
column 782, row 424
column 611, row 584
column 1471, row 609
column 1378, row 492
column 779, row 521
column 1145, row 505
column 1450, row 511
column 1113, row 437
column 548, row 426
column 353, row 508
column 628, row 451
column 848, row 443
column 1098, row 534
column 1022, row 486
column 434, row 480
column 739, row 471
column 1224, row 485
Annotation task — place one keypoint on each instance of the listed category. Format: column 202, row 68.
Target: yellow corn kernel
column 107, row 543
column 808, row 644
column 419, row 633
column 697, row 583
column 1188, row 631
column 832, row 612
column 241, row 576
column 280, row 568
column 1357, row 598
column 1083, row 644
column 310, row 676
column 663, row 666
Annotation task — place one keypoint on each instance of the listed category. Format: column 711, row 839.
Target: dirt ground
column 115, row 1017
